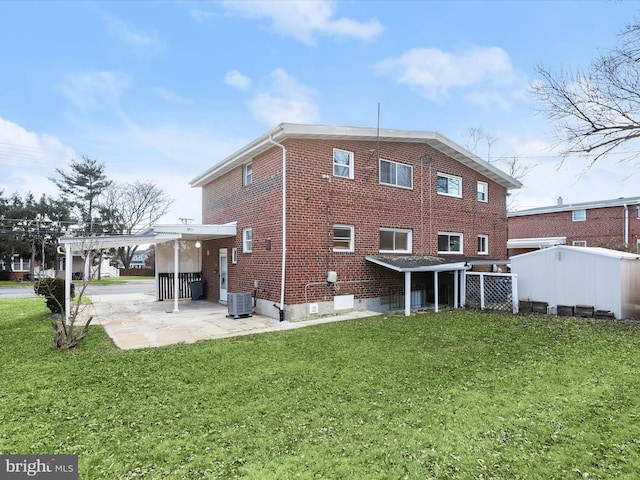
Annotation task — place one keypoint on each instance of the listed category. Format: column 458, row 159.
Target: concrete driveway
column 136, row 320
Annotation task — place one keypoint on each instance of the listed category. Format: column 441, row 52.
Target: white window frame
column 579, row 243
column 350, row 240
column 485, row 241
column 348, row 166
column 451, row 234
column 395, row 173
column 575, row 217
column 483, row 190
column 247, row 240
column 638, row 212
column 449, row 177
column 409, row 234
column 247, row 174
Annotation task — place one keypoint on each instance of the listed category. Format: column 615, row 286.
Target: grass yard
column 454, row 395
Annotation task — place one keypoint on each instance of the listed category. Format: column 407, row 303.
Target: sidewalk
column 137, row 321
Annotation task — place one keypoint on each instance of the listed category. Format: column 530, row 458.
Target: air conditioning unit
column 240, row 304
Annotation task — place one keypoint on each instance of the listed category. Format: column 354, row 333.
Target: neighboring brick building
column 606, row 223
column 367, row 213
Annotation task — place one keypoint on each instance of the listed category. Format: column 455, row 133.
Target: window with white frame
column 483, row 244
column 638, row 212
column 638, row 246
column 234, row 255
column 396, row 174
column 247, row 176
column 449, row 242
column 247, row 240
column 343, row 238
column 395, row 240
column 342, row 163
column 449, row 185
column 579, row 243
column 578, row 215
column 483, row 192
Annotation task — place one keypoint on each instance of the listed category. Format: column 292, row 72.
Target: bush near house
column 53, row 290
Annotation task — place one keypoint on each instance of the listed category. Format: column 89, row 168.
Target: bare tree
column 129, row 208
column 482, row 144
column 596, row 111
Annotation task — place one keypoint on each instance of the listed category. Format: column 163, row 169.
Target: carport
column 157, row 234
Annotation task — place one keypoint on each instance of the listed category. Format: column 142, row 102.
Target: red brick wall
column 315, row 205
column 602, row 227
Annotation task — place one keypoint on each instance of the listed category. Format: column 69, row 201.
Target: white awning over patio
column 154, row 235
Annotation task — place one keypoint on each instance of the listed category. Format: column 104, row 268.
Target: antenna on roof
column 378, row 133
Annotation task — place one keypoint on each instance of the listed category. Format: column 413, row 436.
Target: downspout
column 626, row 225
column 284, row 225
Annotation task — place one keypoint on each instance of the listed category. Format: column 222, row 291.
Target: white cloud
column 304, row 20
column 28, row 159
column 485, row 71
column 139, row 40
column 200, row 15
column 169, row 96
column 237, row 80
column 91, row 89
column 286, row 100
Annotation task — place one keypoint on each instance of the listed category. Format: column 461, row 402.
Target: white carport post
column 435, row 291
column 456, row 279
column 68, row 266
column 155, row 267
column 407, row 294
column 176, row 266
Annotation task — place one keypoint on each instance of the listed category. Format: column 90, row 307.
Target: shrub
column 5, row 275
column 53, row 290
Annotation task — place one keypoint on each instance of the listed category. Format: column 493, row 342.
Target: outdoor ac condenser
column 240, row 304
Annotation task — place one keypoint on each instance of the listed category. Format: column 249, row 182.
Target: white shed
column 562, row 275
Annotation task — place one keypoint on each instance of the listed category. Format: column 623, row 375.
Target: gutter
column 626, row 225
column 284, row 225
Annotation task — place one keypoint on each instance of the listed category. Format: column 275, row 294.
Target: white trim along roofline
column 328, row 132
column 569, row 207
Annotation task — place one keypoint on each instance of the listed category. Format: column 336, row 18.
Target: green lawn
column 454, row 395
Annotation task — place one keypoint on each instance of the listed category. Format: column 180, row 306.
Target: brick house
column 369, row 219
column 606, row 223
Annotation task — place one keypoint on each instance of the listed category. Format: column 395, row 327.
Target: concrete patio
column 136, row 320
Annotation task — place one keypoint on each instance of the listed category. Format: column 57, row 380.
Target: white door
column 223, row 275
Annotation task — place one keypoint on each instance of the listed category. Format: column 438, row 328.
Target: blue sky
column 161, row 91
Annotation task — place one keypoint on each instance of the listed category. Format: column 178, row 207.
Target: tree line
column 89, row 203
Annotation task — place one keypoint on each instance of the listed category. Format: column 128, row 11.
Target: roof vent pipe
column 559, row 201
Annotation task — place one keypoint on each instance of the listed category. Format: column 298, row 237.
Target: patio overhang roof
column 419, row 263
column 154, row 235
